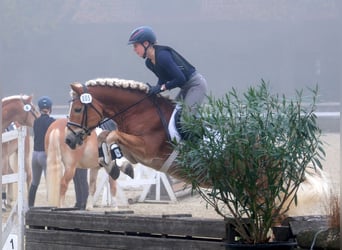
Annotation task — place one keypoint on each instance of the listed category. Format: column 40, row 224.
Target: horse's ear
column 77, row 87
column 26, row 97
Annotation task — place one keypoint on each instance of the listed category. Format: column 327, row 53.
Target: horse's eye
column 78, row 110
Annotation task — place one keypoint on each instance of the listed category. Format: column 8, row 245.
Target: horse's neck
column 130, row 116
column 10, row 115
column 6, row 122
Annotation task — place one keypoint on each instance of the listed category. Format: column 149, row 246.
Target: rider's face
column 139, row 49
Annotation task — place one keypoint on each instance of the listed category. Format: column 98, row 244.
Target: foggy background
column 46, row 45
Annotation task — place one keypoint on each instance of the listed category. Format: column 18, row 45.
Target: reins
column 124, row 110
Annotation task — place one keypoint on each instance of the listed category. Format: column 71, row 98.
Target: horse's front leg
column 65, row 180
column 105, row 159
column 92, row 187
column 113, row 190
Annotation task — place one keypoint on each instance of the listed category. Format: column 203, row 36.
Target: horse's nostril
column 69, row 143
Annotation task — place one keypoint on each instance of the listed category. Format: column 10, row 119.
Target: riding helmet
column 142, row 34
column 44, row 102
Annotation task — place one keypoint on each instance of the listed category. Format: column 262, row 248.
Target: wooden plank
column 54, row 246
column 84, row 220
column 10, row 178
column 50, row 239
column 300, row 226
column 300, row 223
column 9, row 136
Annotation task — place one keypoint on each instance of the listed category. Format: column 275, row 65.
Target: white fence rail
column 18, row 210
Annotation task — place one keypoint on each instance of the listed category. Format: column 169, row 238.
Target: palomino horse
column 60, row 158
column 20, row 110
column 141, row 120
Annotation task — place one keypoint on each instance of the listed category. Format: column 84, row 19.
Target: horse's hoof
column 114, row 171
column 129, row 171
column 130, row 201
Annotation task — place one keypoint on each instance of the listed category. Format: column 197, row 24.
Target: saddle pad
column 174, row 134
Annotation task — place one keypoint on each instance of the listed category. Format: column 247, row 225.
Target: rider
column 172, row 69
column 40, row 127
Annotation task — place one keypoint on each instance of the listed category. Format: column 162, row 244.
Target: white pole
column 21, row 181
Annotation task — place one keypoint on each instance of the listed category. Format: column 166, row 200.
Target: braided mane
column 120, row 83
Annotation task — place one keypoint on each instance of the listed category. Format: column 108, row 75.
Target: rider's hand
column 155, row 90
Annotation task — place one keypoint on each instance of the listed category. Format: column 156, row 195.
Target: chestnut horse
column 142, row 121
column 140, row 133
column 20, row 110
column 62, row 163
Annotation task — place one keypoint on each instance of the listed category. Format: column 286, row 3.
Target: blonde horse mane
column 13, row 97
column 120, row 83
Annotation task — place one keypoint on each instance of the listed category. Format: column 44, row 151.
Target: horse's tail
column 313, row 195
column 53, row 167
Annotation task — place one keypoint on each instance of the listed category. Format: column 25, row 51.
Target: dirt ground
column 193, row 204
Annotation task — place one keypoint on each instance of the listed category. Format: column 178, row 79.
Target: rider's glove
column 155, row 90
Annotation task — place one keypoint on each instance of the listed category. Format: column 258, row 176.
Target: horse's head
column 30, row 111
column 19, row 109
column 85, row 114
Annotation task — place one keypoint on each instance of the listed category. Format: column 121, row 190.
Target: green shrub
column 252, row 151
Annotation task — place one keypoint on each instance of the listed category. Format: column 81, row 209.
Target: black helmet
column 44, row 102
column 142, row 34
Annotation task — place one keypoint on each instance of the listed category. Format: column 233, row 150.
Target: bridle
column 86, row 99
column 28, row 108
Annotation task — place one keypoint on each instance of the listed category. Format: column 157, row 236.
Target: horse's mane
column 120, row 83
column 14, row 97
